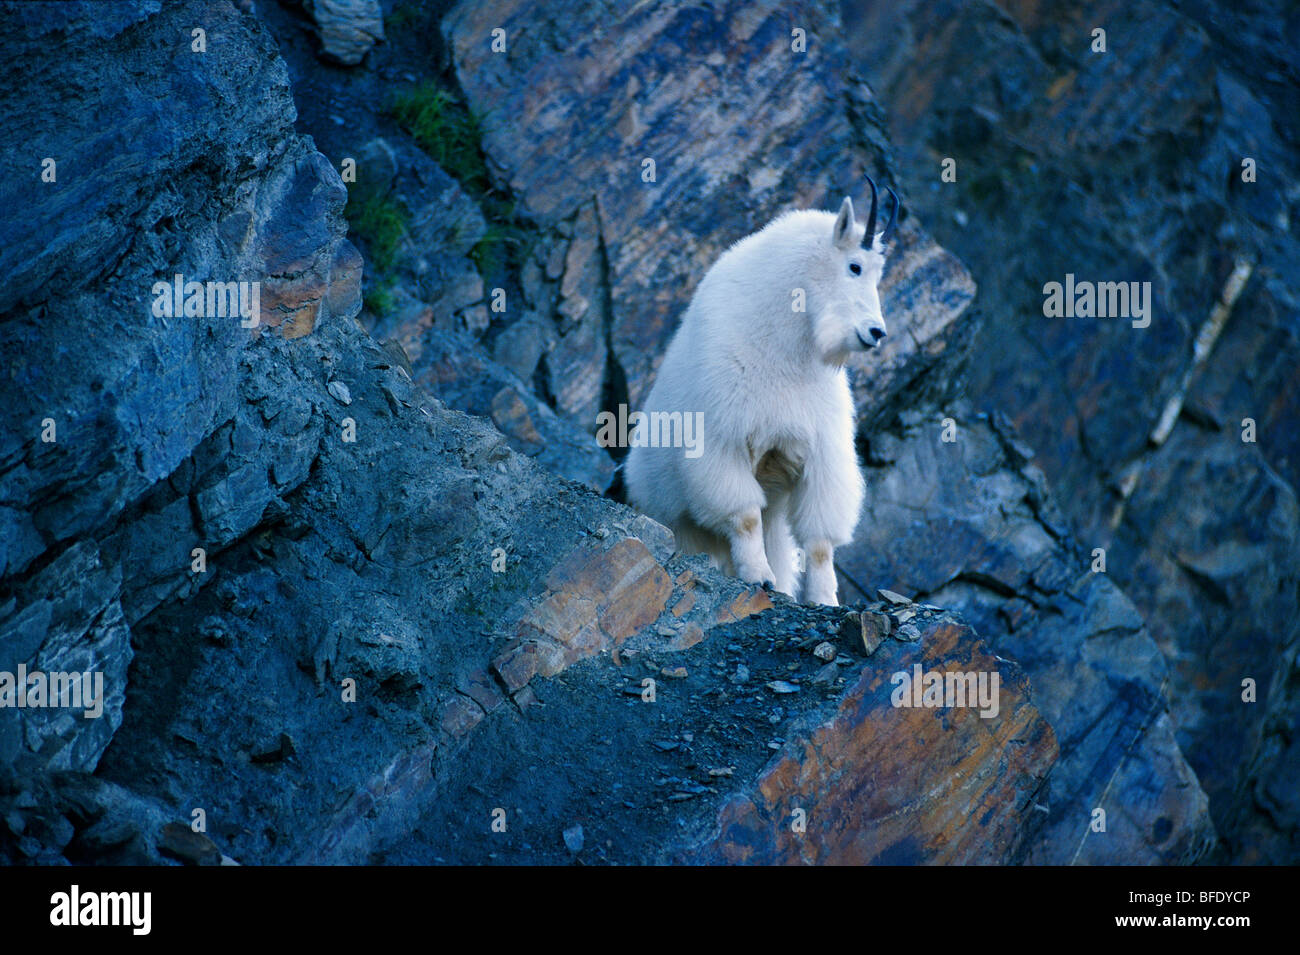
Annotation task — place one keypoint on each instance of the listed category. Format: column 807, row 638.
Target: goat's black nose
column 877, row 333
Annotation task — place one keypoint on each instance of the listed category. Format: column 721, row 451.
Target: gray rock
column 340, row 392
column 376, row 171
column 573, row 839
column 985, row 550
column 347, row 28
column 520, row 347
column 1188, row 91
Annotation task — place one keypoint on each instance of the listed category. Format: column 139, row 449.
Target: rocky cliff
column 1165, row 153
column 355, row 572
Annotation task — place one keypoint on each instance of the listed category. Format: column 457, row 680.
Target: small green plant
column 379, row 298
column 489, row 252
column 450, row 134
column 446, row 130
column 381, row 222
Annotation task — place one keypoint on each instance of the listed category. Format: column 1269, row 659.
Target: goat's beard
column 830, row 344
column 837, row 358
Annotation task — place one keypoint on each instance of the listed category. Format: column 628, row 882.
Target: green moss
column 451, row 134
column 467, row 605
column 489, row 253
column 381, row 223
column 446, row 130
column 379, row 298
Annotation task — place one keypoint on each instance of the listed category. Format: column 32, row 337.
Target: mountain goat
column 761, row 352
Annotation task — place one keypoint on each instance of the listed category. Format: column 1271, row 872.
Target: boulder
column 347, row 28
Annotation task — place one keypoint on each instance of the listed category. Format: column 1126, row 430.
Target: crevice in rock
column 614, row 389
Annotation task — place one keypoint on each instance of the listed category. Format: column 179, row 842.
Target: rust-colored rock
column 510, row 414
column 684, row 604
column 461, row 715
column 302, row 286
column 748, row 603
column 595, row 600
column 689, row 637
column 880, row 783
column 481, row 688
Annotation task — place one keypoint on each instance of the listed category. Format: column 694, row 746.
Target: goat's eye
column 855, row 268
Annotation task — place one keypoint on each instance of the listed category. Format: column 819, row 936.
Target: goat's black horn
column 869, row 236
column 893, row 217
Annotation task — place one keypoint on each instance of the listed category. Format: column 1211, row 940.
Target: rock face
column 749, row 762
column 352, row 624
column 67, row 619
column 347, row 28
column 419, row 229
column 441, row 292
column 140, row 431
column 924, row 292
column 1169, row 158
column 623, row 244
column 811, row 804
column 994, row 546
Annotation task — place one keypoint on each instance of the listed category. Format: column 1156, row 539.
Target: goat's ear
column 843, row 234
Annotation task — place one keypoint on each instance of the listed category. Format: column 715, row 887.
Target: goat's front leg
column 747, row 551
column 825, row 511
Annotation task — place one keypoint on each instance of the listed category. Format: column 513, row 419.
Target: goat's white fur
column 778, row 465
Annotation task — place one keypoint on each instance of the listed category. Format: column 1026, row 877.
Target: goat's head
column 847, row 317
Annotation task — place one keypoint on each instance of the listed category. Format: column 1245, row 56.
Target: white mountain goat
column 761, row 352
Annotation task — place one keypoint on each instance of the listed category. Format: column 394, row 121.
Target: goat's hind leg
column 693, row 539
column 727, row 500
